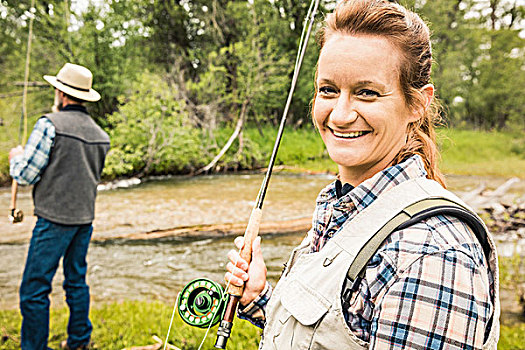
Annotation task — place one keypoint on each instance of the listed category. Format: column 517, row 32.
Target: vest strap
column 410, row 215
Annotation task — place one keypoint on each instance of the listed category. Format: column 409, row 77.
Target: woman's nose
column 343, row 112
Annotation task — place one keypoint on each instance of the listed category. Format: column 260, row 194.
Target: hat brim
column 90, row 96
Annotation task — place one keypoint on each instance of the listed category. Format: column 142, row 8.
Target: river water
column 121, row 269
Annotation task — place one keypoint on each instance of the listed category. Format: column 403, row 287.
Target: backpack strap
column 410, row 215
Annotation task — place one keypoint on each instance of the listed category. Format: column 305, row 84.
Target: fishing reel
column 16, row 215
column 201, row 302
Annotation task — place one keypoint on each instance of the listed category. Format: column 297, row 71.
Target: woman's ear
column 426, row 95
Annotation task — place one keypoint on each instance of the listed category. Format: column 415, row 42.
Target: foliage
column 220, row 61
column 228, row 51
column 463, row 151
column 479, row 52
column 151, row 133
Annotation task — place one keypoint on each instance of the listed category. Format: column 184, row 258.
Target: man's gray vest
column 305, row 310
column 67, row 189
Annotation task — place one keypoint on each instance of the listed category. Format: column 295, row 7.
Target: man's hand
column 15, row 152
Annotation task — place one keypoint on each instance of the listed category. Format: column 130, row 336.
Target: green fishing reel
column 201, row 302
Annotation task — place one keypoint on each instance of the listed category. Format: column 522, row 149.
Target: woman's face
column 359, row 108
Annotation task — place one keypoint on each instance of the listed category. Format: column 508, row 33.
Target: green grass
column 127, row 324
column 463, row 152
column 511, row 271
column 468, row 152
column 302, row 149
column 512, row 337
column 133, row 323
column 511, row 275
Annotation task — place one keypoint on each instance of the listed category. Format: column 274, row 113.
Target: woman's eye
column 327, row 90
column 367, row 93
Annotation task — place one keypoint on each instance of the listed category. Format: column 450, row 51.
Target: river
column 122, row 268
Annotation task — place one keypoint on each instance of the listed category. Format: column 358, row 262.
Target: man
column 63, row 159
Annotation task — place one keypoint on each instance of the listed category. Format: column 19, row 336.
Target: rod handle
column 14, row 190
column 252, row 231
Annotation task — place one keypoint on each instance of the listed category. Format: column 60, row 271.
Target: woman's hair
column 406, row 31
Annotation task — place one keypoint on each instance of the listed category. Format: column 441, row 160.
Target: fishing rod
column 16, row 215
column 252, row 229
column 202, row 301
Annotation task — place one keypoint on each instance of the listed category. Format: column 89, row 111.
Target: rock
column 124, row 183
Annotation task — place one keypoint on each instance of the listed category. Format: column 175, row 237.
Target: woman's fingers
column 236, row 259
column 237, row 272
column 236, row 281
column 239, row 241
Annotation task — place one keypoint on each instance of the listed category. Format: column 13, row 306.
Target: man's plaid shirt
column 428, row 286
column 26, row 168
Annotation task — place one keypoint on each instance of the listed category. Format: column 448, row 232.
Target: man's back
column 66, row 191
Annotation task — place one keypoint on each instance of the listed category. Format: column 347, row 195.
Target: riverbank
column 464, row 152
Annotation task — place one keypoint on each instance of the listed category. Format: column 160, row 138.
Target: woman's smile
column 348, row 134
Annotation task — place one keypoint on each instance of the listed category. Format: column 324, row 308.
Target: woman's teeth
column 349, row 135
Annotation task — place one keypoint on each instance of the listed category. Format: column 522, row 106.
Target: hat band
column 71, row 86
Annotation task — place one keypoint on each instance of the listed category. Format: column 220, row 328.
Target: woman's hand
column 253, row 277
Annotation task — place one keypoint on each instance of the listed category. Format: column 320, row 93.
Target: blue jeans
column 51, row 242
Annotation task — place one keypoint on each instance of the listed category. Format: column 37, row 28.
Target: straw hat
column 75, row 81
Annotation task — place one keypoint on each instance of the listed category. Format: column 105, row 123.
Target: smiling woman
column 393, row 260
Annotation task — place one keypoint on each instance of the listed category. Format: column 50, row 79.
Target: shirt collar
column 364, row 194
column 74, row 107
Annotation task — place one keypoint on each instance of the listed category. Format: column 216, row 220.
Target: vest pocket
column 301, row 310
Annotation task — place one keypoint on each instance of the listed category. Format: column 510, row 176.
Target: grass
column 119, row 325
column 512, row 337
column 467, row 152
column 511, row 275
column 131, row 323
column 463, row 152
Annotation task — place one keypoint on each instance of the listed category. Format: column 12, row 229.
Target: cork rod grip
column 14, row 189
column 252, row 230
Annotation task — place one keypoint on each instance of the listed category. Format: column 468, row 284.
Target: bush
column 151, row 133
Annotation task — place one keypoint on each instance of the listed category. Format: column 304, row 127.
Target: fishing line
column 171, row 322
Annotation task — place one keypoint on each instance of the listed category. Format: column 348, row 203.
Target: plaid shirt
column 26, row 168
column 428, row 286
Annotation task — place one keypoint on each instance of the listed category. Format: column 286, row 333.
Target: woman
column 429, row 285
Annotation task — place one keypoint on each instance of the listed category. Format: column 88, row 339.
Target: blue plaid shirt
column 428, row 286
column 26, row 168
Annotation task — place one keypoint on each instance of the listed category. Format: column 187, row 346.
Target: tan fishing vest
column 305, row 310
